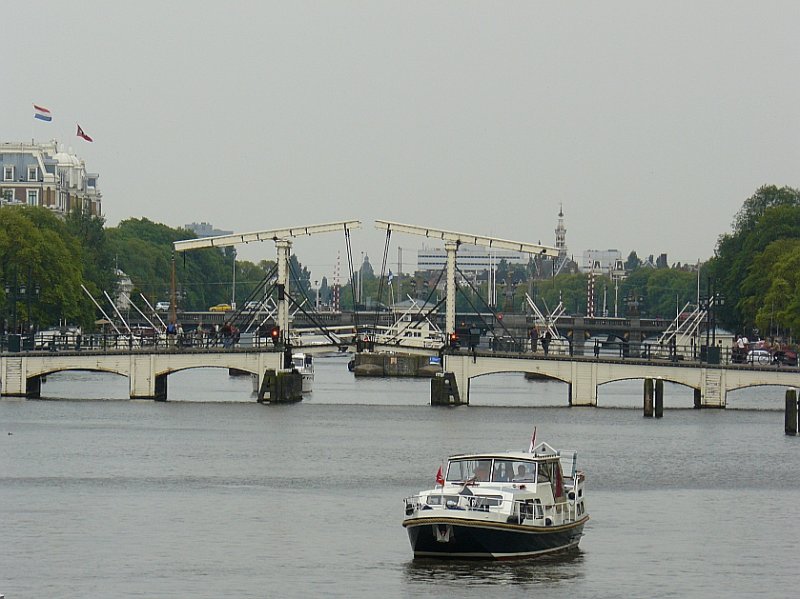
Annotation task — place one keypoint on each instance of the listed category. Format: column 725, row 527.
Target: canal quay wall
column 395, row 365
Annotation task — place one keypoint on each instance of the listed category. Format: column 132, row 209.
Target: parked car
column 759, row 356
column 162, row 306
column 220, row 308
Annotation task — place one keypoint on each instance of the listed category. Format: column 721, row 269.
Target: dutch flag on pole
column 390, row 277
column 42, row 113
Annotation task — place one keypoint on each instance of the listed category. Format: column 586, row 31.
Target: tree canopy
column 746, row 264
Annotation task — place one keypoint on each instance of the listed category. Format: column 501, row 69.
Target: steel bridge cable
column 493, row 312
column 352, row 277
column 383, row 274
column 234, row 318
column 310, row 315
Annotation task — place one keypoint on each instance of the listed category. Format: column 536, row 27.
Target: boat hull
column 452, row 538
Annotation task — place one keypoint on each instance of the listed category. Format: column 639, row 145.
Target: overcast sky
column 650, row 121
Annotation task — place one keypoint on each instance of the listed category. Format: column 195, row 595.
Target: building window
column 33, row 197
column 8, row 173
column 33, row 173
column 7, row 194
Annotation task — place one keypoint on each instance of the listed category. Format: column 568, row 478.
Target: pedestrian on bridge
column 548, row 336
column 534, row 334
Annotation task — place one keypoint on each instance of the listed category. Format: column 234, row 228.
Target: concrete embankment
column 369, row 364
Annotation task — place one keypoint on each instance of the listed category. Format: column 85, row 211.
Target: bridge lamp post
column 233, row 282
column 718, row 300
column 17, row 291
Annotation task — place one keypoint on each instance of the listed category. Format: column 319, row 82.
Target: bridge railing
column 52, row 342
column 641, row 351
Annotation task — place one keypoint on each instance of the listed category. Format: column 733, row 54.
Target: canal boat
column 502, row 505
column 304, row 364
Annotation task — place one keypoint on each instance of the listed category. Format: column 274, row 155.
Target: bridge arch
column 169, row 371
column 666, row 379
column 511, row 388
column 43, row 371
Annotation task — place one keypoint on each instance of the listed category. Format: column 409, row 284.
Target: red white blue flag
column 83, row 135
column 533, row 441
column 41, row 113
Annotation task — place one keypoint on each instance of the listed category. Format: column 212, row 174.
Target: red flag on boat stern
column 439, row 477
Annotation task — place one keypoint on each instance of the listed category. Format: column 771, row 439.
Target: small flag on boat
column 83, row 135
column 41, row 113
column 390, row 277
column 439, row 477
column 533, row 441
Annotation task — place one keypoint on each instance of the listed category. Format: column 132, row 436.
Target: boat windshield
column 494, row 470
column 302, row 361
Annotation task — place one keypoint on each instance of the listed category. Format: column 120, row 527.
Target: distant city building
column 44, row 175
column 205, row 230
column 603, row 262
column 469, row 258
column 477, row 259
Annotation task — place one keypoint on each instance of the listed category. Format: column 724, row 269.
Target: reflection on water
column 545, row 569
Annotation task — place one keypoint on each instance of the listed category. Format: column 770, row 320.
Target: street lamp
column 16, row 291
column 709, row 303
column 233, row 284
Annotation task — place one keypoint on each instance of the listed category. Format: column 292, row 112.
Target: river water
column 213, row 495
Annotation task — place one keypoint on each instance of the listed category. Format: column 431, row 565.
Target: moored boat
column 500, row 505
column 304, row 364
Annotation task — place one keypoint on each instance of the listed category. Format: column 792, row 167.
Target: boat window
column 545, row 471
column 441, row 499
column 503, row 471
column 488, row 500
column 524, row 472
column 464, row 470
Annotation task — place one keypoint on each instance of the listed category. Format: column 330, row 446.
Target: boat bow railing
column 529, row 511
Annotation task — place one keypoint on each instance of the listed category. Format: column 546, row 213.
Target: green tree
column 767, row 196
column 770, row 291
column 143, row 250
column 37, row 252
column 98, row 262
column 633, row 262
column 756, row 228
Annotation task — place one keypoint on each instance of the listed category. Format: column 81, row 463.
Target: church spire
column 561, row 233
